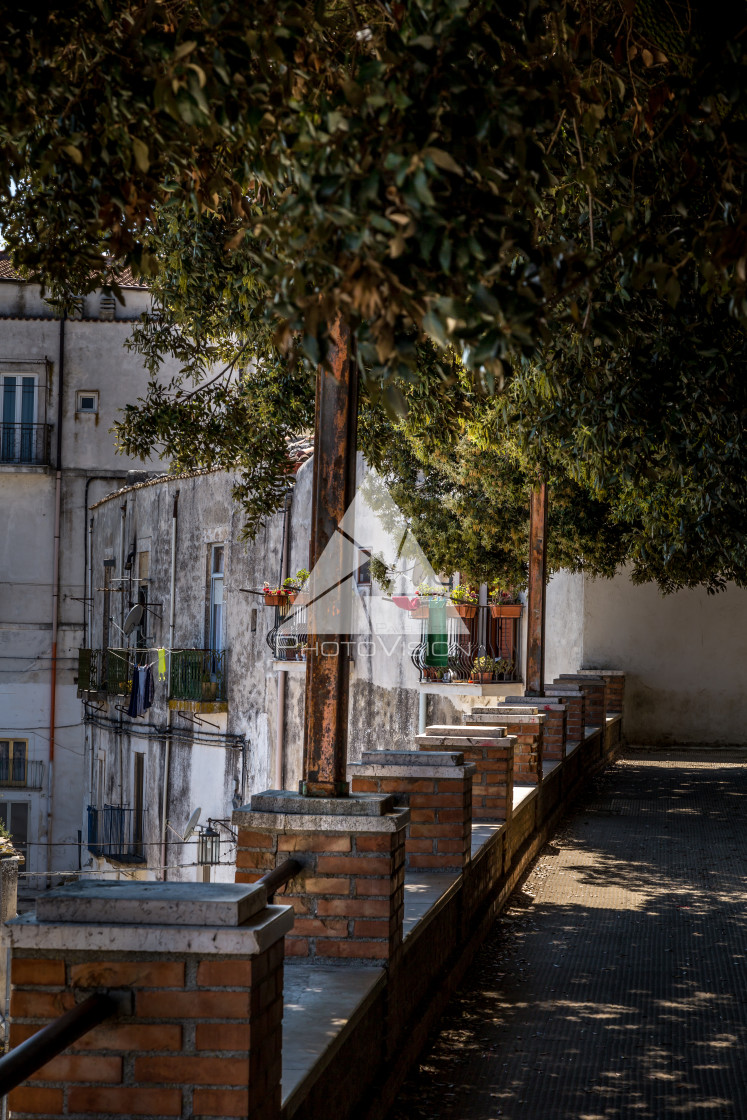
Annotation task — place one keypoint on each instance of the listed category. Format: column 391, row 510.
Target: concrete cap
column 244, row 941
column 412, row 758
column 454, row 730
column 161, row 904
column 286, row 801
column 587, row 678
column 601, row 672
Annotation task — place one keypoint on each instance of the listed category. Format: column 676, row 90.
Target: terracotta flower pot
column 466, row 610
column 505, row 610
column 275, row 600
column 483, row 677
column 420, row 612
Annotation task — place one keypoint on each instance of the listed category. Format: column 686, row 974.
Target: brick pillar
column 596, row 696
column 574, row 699
column 349, row 897
column 615, row 681
column 201, row 1035
column 556, row 713
column 491, row 751
column 436, row 786
column 527, row 726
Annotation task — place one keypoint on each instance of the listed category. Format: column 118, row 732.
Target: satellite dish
column 192, row 824
column 133, row 618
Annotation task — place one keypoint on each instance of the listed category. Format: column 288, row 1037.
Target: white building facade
column 62, row 384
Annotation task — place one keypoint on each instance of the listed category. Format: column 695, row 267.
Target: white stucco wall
column 685, row 656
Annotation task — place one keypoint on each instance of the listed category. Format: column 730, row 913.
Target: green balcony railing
column 198, row 674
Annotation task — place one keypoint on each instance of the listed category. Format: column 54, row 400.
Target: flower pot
column 483, row 677
column 291, row 595
column 505, row 610
column 420, row 612
column 465, row 610
column 275, row 600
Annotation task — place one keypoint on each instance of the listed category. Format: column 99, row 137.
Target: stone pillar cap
column 412, row 758
column 157, row 904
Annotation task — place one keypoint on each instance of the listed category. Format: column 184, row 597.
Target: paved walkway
column 615, row 985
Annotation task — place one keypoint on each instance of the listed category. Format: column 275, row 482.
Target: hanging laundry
column 148, row 687
column 143, row 691
column 162, row 664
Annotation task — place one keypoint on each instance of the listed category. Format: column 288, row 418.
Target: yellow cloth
column 161, row 664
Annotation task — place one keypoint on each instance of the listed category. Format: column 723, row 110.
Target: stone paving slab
column 615, row 985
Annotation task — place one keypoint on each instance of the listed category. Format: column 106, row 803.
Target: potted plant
column 504, row 602
column 465, row 600
column 427, row 594
column 294, row 585
column 486, row 668
column 274, row 596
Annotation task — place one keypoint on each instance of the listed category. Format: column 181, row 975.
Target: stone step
column 434, row 742
column 459, row 729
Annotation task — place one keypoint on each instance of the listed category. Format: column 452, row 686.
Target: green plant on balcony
column 465, row 599
column 485, row 668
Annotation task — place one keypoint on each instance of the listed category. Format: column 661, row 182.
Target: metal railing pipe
column 23, row 1061
column 279, row 876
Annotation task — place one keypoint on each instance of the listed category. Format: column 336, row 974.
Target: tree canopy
column 542, row 195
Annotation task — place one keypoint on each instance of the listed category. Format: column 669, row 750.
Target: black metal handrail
column 28, row 1057
column 480, row 645
column 24, row 444
column 279, row 876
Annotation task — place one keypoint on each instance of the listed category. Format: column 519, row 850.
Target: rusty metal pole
column 535, row 677
column 333, row 489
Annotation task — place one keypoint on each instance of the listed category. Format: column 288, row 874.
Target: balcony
column 288, row 637
column 25, row 445
column 478, row 648
column 19, row 773
column 197, row 680
column 116, row 833
column 196, row 677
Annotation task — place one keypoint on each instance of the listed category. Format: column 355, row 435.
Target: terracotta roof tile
column 125, row 278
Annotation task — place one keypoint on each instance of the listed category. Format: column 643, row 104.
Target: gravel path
column 614, row 987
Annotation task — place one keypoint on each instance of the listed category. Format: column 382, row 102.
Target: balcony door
column 18, row 404
column 217, row 639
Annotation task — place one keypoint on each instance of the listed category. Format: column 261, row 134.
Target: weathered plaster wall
column 564, row 624
column 684, row 656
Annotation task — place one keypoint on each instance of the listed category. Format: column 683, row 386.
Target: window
column 107, row 307
column 14, row 815
column 216, row 598
column 363, row 571
column 138, row 790
column 13, row 758
column 87, row 400
column 18, row 415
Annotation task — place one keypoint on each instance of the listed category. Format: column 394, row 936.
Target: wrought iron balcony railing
column 116, row 833
column 198, row 674
column 288, row 637
column 195, row 674
column 19, row 773
column 24, row 444
column 469, row 644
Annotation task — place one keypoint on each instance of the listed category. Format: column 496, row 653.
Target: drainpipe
column 172, row 624
column 422, row 710
column 55, row 596
column 279, row 776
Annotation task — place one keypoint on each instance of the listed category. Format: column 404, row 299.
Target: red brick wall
column 493, row 781
column 554, row 730
column 596, row 698
column 528, row 752
column 439, row 836
column 204, row 1039
column 349, row 898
